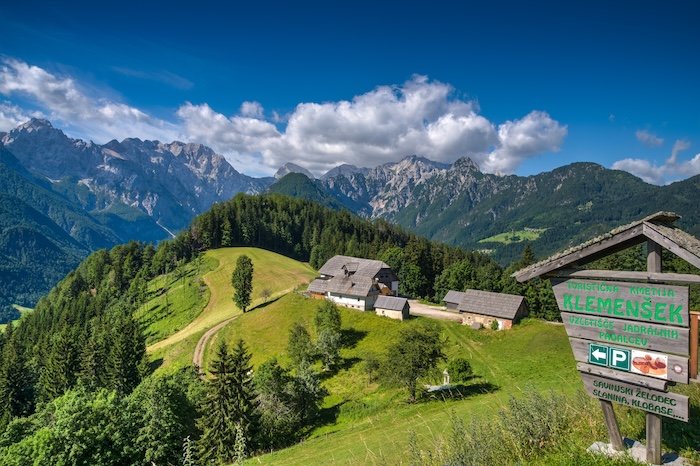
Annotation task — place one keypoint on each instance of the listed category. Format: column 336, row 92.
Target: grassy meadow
column 362, row 422
column 514, row 236
column 200, row 296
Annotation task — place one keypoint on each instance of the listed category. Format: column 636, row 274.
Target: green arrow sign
column 598, row 354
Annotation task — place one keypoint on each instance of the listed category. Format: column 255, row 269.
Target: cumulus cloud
column 648, row 139
column 252, row 109
column 383, row 125
column 90, row 117
column 522, row 139
column 421, row 116
column 671, row 171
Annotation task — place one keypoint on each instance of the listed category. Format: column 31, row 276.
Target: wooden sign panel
column 675, row 370
column 664, row 404
column 622, row 332
column 654, row 304
column 622, row 377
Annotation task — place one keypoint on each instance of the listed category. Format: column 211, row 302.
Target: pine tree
column 242, row 281
column 242, row 390
column 15, row 387
column 127, row 355
column 58, row 374
column 229, row 403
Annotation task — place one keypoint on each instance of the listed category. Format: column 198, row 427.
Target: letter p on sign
column 620, row 359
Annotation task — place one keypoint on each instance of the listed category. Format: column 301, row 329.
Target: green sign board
column 608, row 356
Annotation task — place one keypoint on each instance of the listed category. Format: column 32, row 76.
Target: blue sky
column 520, row 87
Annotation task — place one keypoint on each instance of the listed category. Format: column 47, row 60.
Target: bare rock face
column 292, row 168
column 169, row 182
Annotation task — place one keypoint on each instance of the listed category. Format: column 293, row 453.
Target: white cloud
column 386, row 124
column 162, row 76
column 89, row 117
column 648, row 139
column 252, row 109
column 519, row 140
column 12, row 116
column 671, row 171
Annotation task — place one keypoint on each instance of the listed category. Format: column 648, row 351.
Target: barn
column 353, row 282
column 485, row 307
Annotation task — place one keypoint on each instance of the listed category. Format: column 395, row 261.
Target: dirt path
column 198, row 357
column 436, row 312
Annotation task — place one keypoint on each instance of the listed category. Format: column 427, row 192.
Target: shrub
column 459, row 369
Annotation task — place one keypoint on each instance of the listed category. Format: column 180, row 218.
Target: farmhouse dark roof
column 504, row 306
column 454, row 297
column 337, row 265
column 351, row 286
column 390, row 303
column 658, row 228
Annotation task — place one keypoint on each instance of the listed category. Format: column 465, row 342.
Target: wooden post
column 653, row 420
column 653, row 257
column 694, row 344
column 613, row 429
column 653, row 438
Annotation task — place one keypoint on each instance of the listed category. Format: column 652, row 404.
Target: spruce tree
column 229, row 403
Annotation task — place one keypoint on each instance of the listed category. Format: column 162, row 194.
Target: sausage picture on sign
column 649, row 363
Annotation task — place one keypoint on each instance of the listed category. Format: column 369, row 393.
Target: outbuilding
column 485, row 307
column 392, row 307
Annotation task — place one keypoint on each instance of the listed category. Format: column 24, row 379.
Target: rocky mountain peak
column 345, row 170
column 292, row 168
column 465, row 164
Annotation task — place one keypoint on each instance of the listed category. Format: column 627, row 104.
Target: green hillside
column 368, row 423
column 196, row 305
column 301, row 186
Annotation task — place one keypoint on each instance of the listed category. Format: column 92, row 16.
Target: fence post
column 694, row 344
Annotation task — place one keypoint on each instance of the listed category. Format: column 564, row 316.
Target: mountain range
column 61, row 198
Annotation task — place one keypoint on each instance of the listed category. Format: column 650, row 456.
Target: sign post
column 631, row 332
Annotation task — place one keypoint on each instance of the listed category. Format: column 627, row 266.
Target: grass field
column 273, row 272
column 366, row 423
column 363, row 422
column 514, row 236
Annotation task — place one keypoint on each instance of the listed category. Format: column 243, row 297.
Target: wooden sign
column 650, row 337
column 676, row 367
column 654, row 304
column 665, row 404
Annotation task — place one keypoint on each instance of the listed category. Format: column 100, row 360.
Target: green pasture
column 364, row 422
column 514, row 236
column 196, row 305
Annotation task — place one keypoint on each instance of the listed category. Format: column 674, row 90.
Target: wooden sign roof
column 658, row 228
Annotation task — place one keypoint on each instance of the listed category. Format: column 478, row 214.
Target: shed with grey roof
column 393, row 307
column 485, row 307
